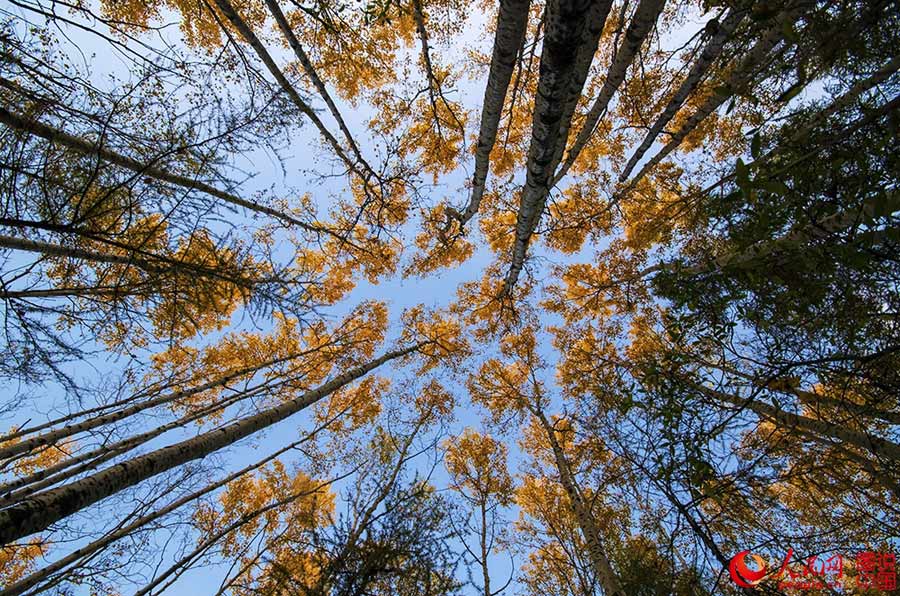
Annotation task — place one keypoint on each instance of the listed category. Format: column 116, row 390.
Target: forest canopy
column 436, row 297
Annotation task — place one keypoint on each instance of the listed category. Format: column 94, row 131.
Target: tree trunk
column 738, row 82
column 69, row 430
column 881, row 448
column 512, row 23
column 314, row 78
column 696, row 74
column 605, row 574
column 565, row 29
column 250, row 37
column 645, row 17
column 39, row 512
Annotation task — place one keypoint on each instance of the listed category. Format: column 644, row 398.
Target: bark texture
column 602, row 567
column 44, row 509
column 512, row 23
column 738, row 82
column 565, row 24
column 643, row 21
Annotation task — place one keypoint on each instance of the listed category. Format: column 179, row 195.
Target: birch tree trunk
column 44, row 509
column 605, row 574
column 512, row 23
column 645, row 17
column 314, row 78
column 880, row 448
column 565, row 27
column 696, row 74
column 738, row 82
column 69, row 430
column 250, row 37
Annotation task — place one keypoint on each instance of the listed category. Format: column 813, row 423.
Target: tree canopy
column 433, row 297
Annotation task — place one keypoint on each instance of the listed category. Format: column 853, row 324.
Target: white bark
column 645, row 16
column 738, row 82
column 566, row 22
column 250, row 37
column 877, row 446
column 54, row 436
column 44, row 509
column 602, row 567
column 512, row 23
column 696, row 74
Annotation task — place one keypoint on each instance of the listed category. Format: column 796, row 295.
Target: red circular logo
column 743, row 575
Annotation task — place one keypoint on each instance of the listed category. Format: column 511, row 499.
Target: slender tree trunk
column 52, row 437
column 485, row 569
column 738, row 82
column 645, row 16
column 314, row 78
column 150, row 169
column 881, row 448
column 696, row 74
column 250, row 37
column 816, row 400
column 126, row 530
column 39, row 512
column 512, row 23
column 566, row 21
column 602, row 567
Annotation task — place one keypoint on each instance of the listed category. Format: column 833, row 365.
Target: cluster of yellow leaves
column 587, row 351
column 434, row 401
column 310, row 505
column 17, row 560
column 431, row 131
column 483, row 305
column 180, row 301
column 349, row 409
column 46, row 457
column 441, row 244
column 578, row 213
column 441, row 335
column 305, row 356
column 656, row 208
column 351, row 54
column 501, row 388
column 498, row 222
column 591, row 291
column 478, row 465
column 201, row 23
